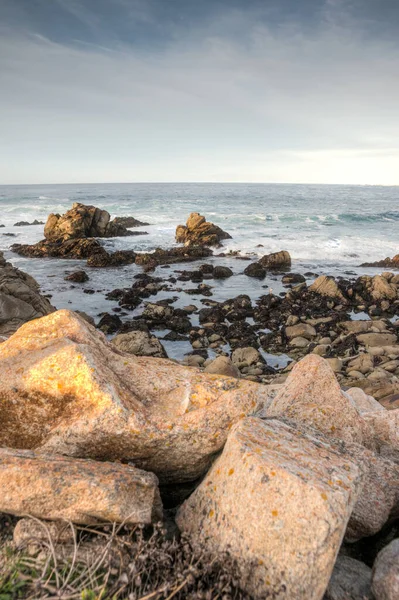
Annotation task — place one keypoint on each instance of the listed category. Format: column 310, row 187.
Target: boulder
column 200, row 232
column 385, row 577
column 363, row 402
column 255, row 270
column 377, row 339
column 245, row 356
column 222, row 365
column 220, row 272
column 276, row 500
column 77, row 277
column 276, row 260
column 66, row 390
column 82, row 491
column 382, row 290
column 20, row 298
column 328, row 287
column 82, row 221
column 293, row 278
column 139, row 343
column 350, row 580
column 129, row 222
column 312, row 395
column 384, row 426
column 301, row 330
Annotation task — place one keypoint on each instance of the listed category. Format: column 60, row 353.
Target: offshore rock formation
column 20, row 298
column 200, row 232
column 82, row 221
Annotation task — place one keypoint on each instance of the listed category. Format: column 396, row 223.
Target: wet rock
column 275, row 500
column 139, row 343
column 74, row 248
column 292, row 278
column 255, row 270
column 109, row 323
column 128, row 222
column 200, row 232
column 220, row 272
column 350, row 580
column 81, row 491
column 26, row 223
column 385, row 577
column 222, row 365
column 387, row 263
column 66, row 390
column 20, row 298
column 77, row 277
column 276, row 260
column 173, row 255
column 116, row 259
column 82, row 221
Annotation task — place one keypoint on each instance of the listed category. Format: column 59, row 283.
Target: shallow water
column 327, row 229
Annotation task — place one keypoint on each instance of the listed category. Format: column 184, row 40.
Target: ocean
column 329, row 229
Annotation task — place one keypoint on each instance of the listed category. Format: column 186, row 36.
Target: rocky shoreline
column 279, row 467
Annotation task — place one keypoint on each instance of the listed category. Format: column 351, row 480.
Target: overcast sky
column 199, row 90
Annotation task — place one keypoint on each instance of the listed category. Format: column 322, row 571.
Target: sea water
column 329, row 229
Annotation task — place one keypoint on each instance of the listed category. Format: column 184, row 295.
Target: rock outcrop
column 276, row 500
column 65, row 390
column 82, row 221
column 20, row 298
column 327, row 286
column 200, row 232
column 386, row 263
column 129, row 222
column 82, row 491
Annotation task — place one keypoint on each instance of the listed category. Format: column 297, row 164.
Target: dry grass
column 115, row 563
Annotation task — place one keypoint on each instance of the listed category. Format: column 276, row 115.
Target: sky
column 298, row 91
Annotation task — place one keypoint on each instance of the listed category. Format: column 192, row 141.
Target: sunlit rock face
column 65, row 390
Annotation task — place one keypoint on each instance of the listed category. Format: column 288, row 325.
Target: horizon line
column 197, row 183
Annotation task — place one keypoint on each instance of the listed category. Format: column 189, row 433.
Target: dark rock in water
column 222, row 272
column 206, row 269
column 199, row 232
column 109, row 323
column 116, row 259
column 20, row 298
column 77, row 277
column 77, row 249
column 211, row 315
column 82, row 221
column 255, row 270
column 89, row 291
column 276, row 260
column 293, row 278
column 387, row 263
column 9, row 234
column 173, row 336
column 174, row 255
column 25, row 223
column 2, row 225
column 129, row 222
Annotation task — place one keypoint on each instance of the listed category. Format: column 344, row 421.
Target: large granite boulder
column 312, row 396
column 139, row 343
column 327, row 286
column 82, row 491
column 65, row 390
column 200, row 232
column 20, row 298
column 278, row 501
column 82, row 221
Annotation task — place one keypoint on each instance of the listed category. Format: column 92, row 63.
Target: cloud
column 239, row 98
